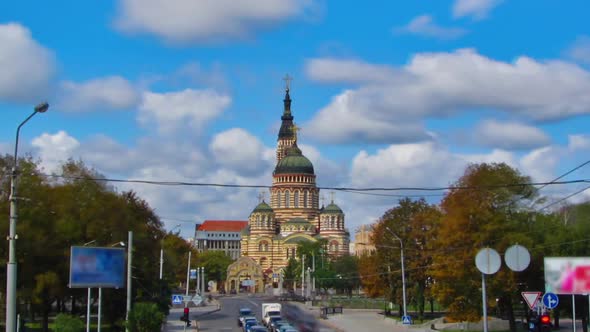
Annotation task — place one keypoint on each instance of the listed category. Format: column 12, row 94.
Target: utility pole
column 129, row 262
column 188, row 273
column 313, row 270
column 303, row 275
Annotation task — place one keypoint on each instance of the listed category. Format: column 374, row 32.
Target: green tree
column 145, row 317
column 414, row 222
column 291, row 274
column 215, row 263
column 347, row 273
column 68, row 323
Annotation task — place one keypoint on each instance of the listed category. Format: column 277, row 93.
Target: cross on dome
column 287, row 80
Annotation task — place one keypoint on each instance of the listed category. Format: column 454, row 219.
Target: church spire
column 286, row 131
column 287, row 100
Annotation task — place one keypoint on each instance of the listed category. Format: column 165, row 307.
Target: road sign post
column 550, row 300
column 531, row 298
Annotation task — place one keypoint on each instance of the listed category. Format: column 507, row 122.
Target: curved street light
column 401, row 243
column 11, row 272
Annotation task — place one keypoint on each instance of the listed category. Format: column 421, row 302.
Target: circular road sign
column 488, row 261
column 517, row 258
column 550, row 300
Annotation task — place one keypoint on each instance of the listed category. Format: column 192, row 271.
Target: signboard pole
column 484, row 300
column 99, row 307
column 574, row 311
column 88, row 311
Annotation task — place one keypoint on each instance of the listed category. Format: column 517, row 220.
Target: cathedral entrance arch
column 245, row 275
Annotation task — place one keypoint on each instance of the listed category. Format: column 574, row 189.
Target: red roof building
column 221, row 235
column 222, row 226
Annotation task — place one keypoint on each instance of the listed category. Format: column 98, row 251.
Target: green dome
column 294, row 162
column 332, row 208
column 262, row 207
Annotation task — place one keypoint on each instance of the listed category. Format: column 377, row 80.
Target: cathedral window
column 279, row 199
column 305, row 199
column 296, row 199
column 287, row 198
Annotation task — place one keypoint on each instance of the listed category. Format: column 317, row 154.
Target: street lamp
column 11, row 265
column 401, row 244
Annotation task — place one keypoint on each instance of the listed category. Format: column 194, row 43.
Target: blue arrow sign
column 176, row 299
column 550, row 300
column 406, row 320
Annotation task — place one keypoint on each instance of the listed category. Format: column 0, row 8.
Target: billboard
column 567, row 275
column 96, row 267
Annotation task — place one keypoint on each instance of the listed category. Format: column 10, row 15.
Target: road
column 225, row 319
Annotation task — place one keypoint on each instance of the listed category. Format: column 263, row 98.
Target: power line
column 564, row 198
column 344, row 189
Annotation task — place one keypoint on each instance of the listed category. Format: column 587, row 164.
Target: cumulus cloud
column 107, row 93
column 425, row 26
column 478, row 9
column 241, row 151
column 27, row 66
column 174, row 110
column 440, row 85
column 580, row 50
column 510, row 135
column 54, row 149
column 184, row 21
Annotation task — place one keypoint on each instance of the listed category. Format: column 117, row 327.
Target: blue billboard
column 96, row 267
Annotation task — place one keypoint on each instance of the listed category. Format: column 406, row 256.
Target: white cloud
column 580, row 50
column 239, row 150
column 175, row 110
column 478, row 9
column 443, row 84
column 55, row 149
column 27, row 66
column 113, row 92
column 184, row 21
column 424, row 25
column 509, row 135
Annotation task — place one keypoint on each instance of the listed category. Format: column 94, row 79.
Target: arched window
column 287, row 198
column 305, row 199
column 263, row 246
column 278, row 198
column 296, row 199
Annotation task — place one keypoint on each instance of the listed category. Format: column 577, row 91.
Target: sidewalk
column 360, row 320
column 174, row 324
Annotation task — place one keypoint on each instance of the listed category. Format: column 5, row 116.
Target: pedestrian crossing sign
column 406, row 320
column 176, row 299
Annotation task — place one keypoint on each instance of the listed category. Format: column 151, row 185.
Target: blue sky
column 387, row 94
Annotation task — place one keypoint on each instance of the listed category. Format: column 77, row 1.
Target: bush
column 68, row 323
column 145, row 317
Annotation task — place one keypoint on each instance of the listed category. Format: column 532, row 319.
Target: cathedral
column 293, row 213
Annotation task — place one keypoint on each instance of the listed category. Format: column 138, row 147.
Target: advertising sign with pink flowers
column 567, row 275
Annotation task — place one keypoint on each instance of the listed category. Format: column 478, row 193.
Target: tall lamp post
column 11, row 265
column 401, row 244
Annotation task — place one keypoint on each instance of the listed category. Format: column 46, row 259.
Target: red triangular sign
column 531, row 298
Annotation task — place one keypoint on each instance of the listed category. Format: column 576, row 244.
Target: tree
column 68, row 323
column 370, row 275
column 414, row 222
column 291, row 274
column 145, row 317
column 482, row 210
column 347, row 273
column 215, row 263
